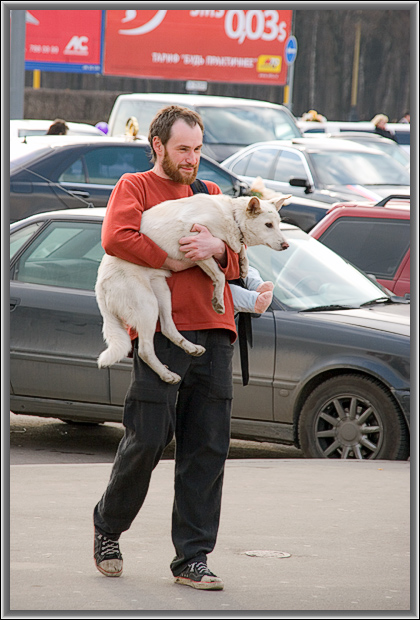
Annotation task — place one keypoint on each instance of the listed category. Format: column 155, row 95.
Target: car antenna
column 90, row 205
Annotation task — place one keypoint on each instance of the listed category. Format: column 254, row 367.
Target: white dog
column 131, row 295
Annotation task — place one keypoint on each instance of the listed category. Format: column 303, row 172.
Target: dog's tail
column 116, row 337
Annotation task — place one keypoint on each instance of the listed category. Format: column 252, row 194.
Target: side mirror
column 301, row 183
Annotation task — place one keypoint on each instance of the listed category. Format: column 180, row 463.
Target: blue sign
column 290, row 50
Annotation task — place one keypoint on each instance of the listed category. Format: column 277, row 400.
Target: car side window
column 65, row 254
column 365, row 243
column 289, row 165
column 21, row 236
column 241, row 165
column 105, row 165
column 210, row 173
column 75, row 173
column 261, row 163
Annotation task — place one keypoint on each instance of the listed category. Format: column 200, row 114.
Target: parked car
column 375, row 238
column 34, row 127
column 327, row 170
column 400, row 130
column 230, row 122
column 329, row 367
column 70, row 172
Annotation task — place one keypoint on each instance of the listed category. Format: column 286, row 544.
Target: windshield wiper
column 378, row 300
column 330, row 307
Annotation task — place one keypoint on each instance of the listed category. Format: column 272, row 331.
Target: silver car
column 329, row 366
column 328, row 170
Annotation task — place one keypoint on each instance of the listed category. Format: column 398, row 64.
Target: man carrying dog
column 197, row 410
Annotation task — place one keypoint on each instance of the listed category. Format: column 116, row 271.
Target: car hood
column 369, row 192
column 393, row 318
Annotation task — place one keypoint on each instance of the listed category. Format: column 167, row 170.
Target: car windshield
column 308, row 275
column 390, row 148
column 358, row 168
column 243, row 125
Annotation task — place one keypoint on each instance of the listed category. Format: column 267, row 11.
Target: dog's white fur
column 131, row 295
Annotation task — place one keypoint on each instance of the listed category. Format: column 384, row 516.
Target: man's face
column 180, row 157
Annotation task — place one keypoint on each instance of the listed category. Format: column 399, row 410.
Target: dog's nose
column 284, row 245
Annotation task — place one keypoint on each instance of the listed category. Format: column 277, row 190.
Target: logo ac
column 77, row 46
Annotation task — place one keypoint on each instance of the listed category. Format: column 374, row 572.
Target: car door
column 55, row 323
column 93, row 175
column 255, row 400
column 251, row 402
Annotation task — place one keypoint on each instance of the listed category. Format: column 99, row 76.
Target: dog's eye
column 269, row 225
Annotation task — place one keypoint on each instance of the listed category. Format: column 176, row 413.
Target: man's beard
column 177, row 174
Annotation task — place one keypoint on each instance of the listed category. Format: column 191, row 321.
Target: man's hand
column 177, row 265
column 203, row 246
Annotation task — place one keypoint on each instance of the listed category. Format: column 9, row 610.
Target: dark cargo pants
column 197, row 411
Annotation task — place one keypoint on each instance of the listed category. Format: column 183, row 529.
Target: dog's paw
column 170, row 377
column 218, row 306
column 197, row 350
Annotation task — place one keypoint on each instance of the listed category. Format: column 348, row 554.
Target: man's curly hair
column 161, row 125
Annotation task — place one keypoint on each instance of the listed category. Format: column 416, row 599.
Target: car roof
column 21, row 146
column 395, row 207
column 90, row 213
column 367, row 135
column 42, row 124
column 365, row 126
column 198, row 99
column 324, row 143
column 311, row 143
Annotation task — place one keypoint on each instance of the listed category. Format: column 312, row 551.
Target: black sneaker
column 108, row 558
column 198, row 576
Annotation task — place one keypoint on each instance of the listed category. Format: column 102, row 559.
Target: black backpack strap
column 244, row 336
column 244, row 318
column 199, row 187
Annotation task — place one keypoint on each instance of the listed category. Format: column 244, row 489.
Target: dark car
column 76, row 172
column 375, row 238
column 328, row 170
column 329, row 367
column 79, row 173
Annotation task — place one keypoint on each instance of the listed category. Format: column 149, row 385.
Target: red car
column 374, row 237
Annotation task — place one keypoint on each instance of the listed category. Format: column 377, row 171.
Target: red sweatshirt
column 191, row 289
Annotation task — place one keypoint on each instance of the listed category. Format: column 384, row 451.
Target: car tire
column 352, row 417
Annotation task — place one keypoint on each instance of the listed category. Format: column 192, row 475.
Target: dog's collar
column 241, row 235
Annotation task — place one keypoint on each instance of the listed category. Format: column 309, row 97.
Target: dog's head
column 260, row 223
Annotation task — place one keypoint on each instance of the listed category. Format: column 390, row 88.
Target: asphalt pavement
column 296, row 535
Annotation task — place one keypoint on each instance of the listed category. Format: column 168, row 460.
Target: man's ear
column 254, row 207
column 157, row 145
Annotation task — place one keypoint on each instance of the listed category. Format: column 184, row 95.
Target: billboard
column 213, row 45
column 68, row 40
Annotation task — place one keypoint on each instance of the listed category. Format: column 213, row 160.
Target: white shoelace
column 109, row 547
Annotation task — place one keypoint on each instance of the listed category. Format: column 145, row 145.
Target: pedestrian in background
column 197, row 409
column 58, row 128
column 380, row 122
column 405, row 118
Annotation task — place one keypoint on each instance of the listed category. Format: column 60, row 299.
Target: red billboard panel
column 68, row 40
column 213, row 45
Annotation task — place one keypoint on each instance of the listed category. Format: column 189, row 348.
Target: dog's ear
column 279, row 202
column 254, row 207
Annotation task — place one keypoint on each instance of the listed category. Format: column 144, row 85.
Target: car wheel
column 352, row 417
